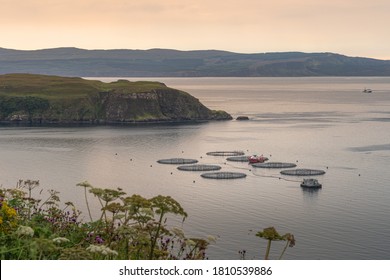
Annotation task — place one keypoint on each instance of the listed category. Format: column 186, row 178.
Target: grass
column 138, row 86
column 55, row 87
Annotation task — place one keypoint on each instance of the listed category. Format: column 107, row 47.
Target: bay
column 322, row 123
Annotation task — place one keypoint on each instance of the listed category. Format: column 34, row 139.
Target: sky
column 350, row 27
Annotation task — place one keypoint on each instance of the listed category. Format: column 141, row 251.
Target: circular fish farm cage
column 226, row 153
column 199, row 167
column 274, row 165
column 223, row 175
column 238, row 159
column 302, row 172
column 177, row 161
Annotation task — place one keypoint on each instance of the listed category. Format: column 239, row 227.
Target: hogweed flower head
column 178, row 231
column 101, row 249
column 211, row 238
column 190, row 242
column 60, row 240
column 25, row 231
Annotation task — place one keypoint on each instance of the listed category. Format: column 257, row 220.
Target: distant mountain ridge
column 174, row 63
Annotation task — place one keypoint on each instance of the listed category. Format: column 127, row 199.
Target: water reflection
column 311, row 192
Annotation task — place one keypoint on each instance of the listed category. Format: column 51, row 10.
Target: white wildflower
column 101, row 249
column 190, row 242
column 212, row 238
column 92, row 248
column 147, row 211
column 25, row 231
column 178, row 231
column 60, row 240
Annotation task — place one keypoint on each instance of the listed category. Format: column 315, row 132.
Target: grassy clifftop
column 50, row 99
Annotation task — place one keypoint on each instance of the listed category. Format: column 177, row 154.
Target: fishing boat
column 367, row 90
column 257, row 159
column 310, row 183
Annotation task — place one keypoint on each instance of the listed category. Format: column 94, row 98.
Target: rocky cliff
column 53, row 99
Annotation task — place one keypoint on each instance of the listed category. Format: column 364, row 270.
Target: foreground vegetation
column 128, row 227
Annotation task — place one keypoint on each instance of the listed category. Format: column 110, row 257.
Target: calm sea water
column 320, row 123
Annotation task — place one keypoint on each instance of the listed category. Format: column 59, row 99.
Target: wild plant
column 271, row 234
column 127, row 227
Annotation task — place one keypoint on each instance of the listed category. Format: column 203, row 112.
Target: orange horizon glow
column 349, row 27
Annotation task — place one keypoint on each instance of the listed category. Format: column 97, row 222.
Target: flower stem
column 86, row 202
column 154, row 239
column 284, row 250
column 268, row 249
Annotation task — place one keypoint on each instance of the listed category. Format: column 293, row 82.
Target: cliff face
column 157, row 104
column 50, row 99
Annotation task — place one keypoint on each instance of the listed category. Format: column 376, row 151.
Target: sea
column 320, row 123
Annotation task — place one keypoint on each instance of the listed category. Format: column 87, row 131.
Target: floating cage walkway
column 226, row 153
column 238, row 159
column 223, row 175
column 302, row 172
column 274, row 165
column 177, row 161
column 199, row 167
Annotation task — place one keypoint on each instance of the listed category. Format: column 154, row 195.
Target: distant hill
column 52, row 99
column 174, row 63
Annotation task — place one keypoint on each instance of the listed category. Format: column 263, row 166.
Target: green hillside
column 174, row 63
column 54, row 99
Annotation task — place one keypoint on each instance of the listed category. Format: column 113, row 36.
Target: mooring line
column 280, row 178
column 258, row 175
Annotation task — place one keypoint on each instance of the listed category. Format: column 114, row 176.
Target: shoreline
column 104, row 123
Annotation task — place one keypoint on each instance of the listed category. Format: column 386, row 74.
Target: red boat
column 257, row 159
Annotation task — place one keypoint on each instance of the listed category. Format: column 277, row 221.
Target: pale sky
column 350, row 27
